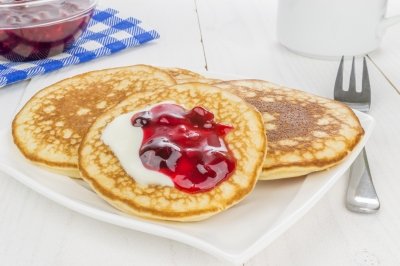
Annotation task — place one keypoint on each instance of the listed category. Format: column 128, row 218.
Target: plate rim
column 163, row 231
column 310, row 203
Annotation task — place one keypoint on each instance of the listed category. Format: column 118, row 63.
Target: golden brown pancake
column 306, row 133
column 51, row 125
column 182, row 74
column 186, row 76
column 247, row 142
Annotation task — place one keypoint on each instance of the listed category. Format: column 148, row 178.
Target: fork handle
column 361, row 194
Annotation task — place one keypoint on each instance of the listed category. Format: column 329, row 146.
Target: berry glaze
column 187, row 146
column 35, row 31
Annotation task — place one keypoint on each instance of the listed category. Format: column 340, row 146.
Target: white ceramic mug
column 332, row 28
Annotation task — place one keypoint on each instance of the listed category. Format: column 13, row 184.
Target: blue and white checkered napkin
column 106, row 34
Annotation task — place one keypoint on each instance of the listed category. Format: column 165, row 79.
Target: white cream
column 125, row 141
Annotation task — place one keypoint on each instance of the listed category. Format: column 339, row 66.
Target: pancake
column 102, row 170
column 306, row 133
column 182, row 74
column 186, row 76
column 50, row 127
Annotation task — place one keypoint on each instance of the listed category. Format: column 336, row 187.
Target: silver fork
column 361, row 194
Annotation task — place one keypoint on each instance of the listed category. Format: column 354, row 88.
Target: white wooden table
column 236, row 37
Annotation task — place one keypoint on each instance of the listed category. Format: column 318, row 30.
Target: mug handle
column 386, row 23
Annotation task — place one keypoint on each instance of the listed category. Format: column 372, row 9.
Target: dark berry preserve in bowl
column 36, row 29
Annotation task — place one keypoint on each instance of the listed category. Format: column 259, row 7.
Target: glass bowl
column 36, row 29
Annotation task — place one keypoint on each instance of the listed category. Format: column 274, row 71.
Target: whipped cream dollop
column 125, row 141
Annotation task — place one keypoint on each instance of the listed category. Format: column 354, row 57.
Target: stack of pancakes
column 278, row 133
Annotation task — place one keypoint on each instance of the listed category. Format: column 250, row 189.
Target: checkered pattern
column 107, row 33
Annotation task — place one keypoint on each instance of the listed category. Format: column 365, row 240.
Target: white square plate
column 235, row 235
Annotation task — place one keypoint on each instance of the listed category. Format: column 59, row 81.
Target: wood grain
column 329, row 234
column 238, row 38
column 36, row 231
column 387, row 57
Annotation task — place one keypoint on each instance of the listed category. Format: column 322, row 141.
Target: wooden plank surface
column 387, row 57
column 238, row 38
column 36, row 231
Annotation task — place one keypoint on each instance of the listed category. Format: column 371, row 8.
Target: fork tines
column 357, row 100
